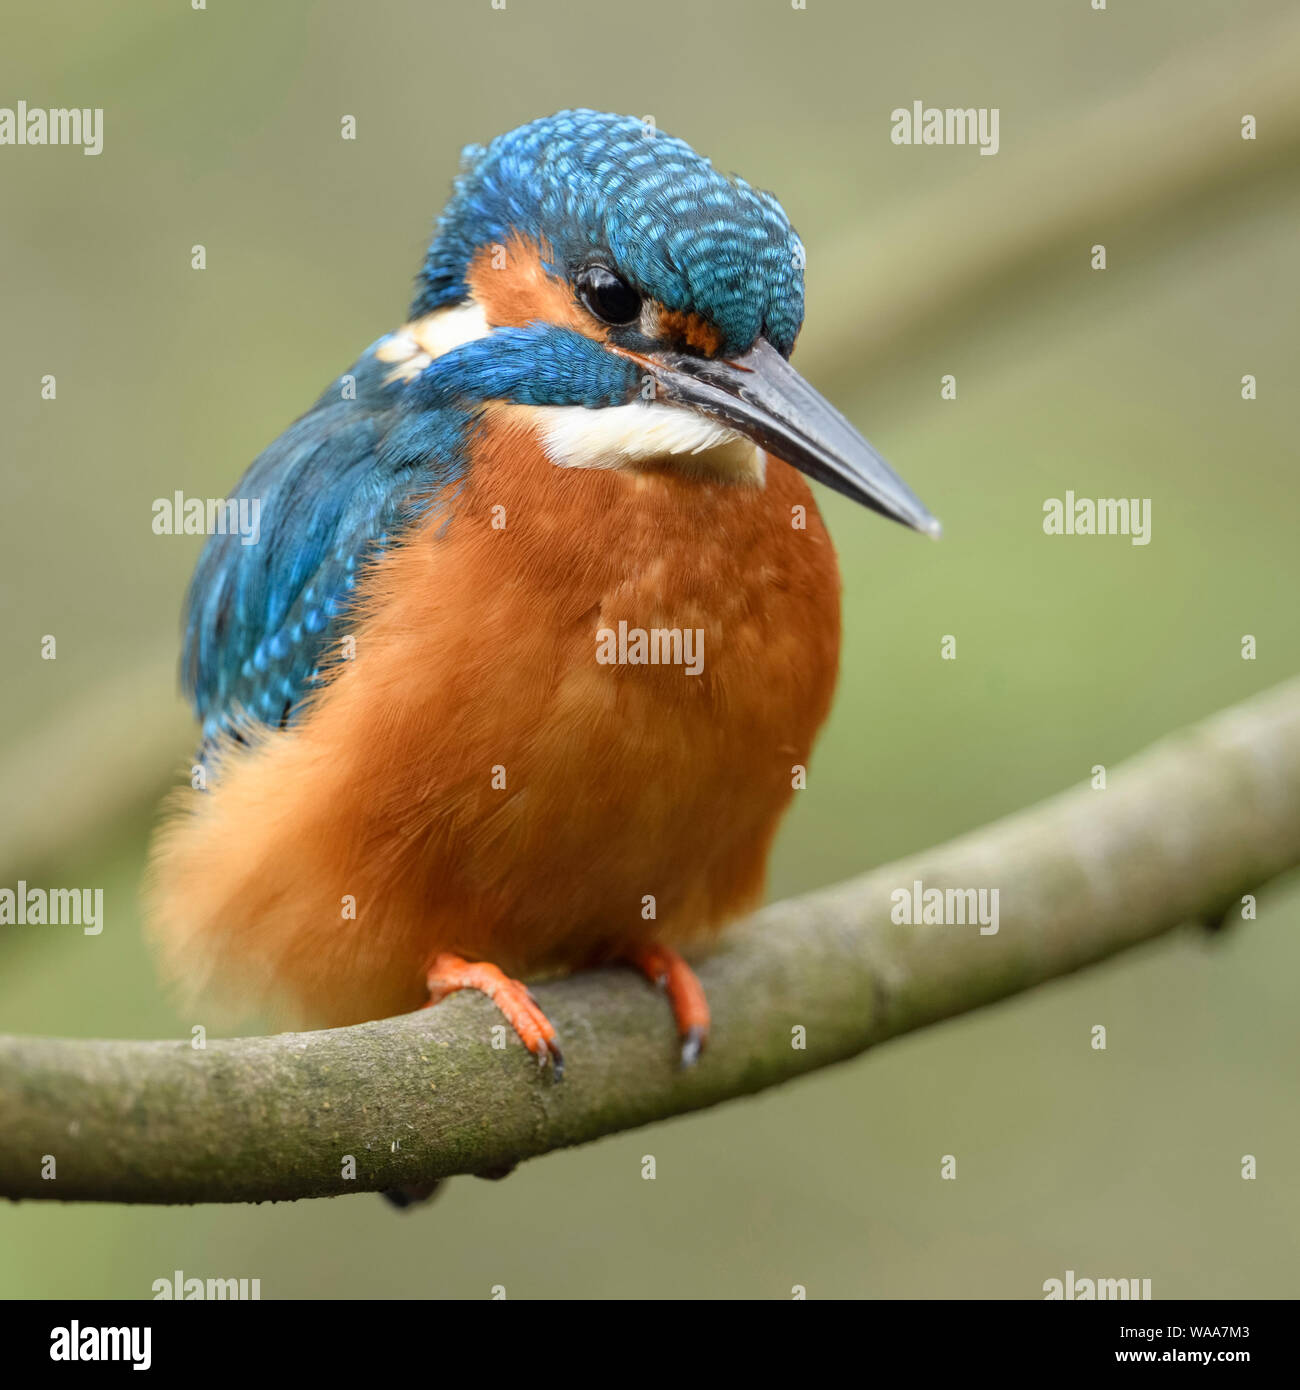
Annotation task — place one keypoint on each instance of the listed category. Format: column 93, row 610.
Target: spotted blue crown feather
column 263, row 621
column 596, row 184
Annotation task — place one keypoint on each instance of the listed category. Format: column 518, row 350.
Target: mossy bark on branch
column 1180, row 834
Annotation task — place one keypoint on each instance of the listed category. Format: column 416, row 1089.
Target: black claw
column 548, row 1052
column 692, row 1045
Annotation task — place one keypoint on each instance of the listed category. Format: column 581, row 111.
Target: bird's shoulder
column 265, row 610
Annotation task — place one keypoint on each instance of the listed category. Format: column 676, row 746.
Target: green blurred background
column 222, row 128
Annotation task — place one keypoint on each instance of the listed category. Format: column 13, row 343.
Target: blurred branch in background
column 1180, row 834
column 106, row 755
column 1136, row 161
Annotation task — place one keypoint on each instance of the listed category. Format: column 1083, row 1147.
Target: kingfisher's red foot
column 449, row 973
column 665, row 968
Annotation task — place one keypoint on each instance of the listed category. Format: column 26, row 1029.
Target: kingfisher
column 541, row 619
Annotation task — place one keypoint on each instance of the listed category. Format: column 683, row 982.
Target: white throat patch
column 623, row 436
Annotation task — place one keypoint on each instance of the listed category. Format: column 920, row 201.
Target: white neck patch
column 413, row 346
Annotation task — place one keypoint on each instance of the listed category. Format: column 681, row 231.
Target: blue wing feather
column 262, row 620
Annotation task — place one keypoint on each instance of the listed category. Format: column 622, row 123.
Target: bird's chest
column 647, row 606
column 599, row 668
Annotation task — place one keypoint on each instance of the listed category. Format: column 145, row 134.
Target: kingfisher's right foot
column 449, row 973
column 662, row 966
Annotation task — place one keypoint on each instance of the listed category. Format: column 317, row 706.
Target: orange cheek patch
column 514, row 288
column 690, row 329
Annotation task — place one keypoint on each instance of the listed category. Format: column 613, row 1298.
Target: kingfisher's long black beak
column 761, row 396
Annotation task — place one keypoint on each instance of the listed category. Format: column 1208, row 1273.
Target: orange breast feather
column 475, row 780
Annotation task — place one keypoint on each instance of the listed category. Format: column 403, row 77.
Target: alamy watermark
column 179, row 515
column 54, row 907
column 191, row 1288
column 656, row 646
column 74, row 1342
column 1099, row 516
column 945, row 907
column 950, row 125
column 1076, row 1287
column 59, row 125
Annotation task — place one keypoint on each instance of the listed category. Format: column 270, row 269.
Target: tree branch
column 1181, row 833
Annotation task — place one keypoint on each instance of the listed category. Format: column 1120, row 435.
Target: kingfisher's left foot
column 665, row 968
column 449, row 973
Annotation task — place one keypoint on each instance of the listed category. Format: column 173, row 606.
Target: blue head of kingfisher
column 588, row 423
column 658, row 286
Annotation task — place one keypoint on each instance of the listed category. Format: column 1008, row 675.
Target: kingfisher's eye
column 610, row 298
